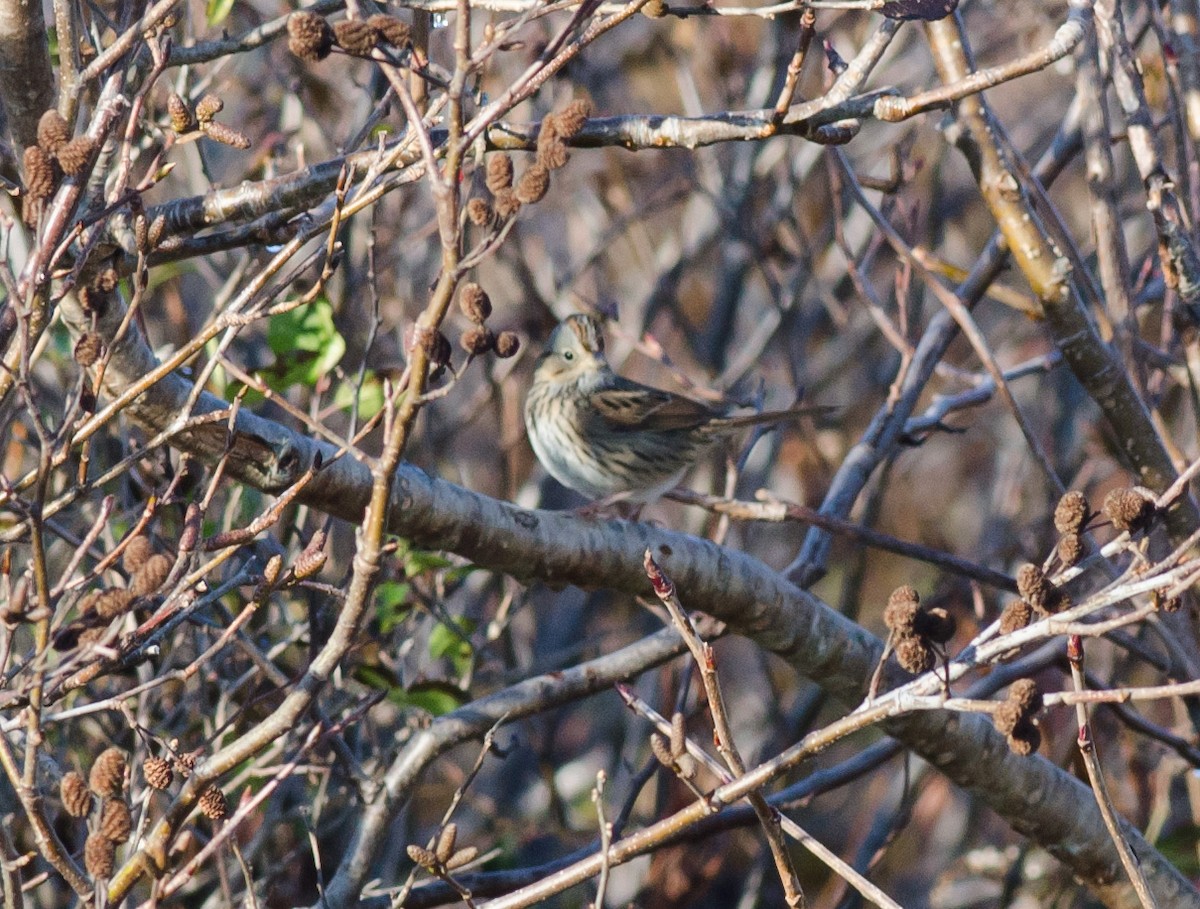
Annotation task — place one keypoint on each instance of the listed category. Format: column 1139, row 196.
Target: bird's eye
column 568, row 355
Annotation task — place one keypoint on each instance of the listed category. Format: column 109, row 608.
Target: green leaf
column 453, row 643
column 370, row 396
column 418, row 561
column 306, row 345
column 377, row 677
column 391, row 604
column 435, row 697
column 217, row 10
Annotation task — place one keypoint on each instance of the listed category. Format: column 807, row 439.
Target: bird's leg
column 609, row 503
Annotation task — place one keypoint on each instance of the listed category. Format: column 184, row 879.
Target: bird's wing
column 628, row 405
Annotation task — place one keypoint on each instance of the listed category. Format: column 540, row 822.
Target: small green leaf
column 377, row 677
column 306, row 345
column 216, row 11
column 391, row 604
column 370, row 396
column 418, row 562
column 435, row 697
column 453, row 643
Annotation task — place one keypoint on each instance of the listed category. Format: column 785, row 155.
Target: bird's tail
column 773, row 416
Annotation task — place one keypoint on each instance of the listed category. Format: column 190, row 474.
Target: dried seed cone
column 1026, row 695
column 114, row 602
column 355, row 37
column 226, row 135
column 554, row 155
column 213, row 804
column 499, row 173
column 572, row 118
column 475, row 303
column 507, row 345
column 479, row 212
column 1127, row 509
column 208, row 107
column 655, row 9
column 141, row 232
column 73, row 157
column 1016, row 616
column 53, row 131
column 151, row 576
column 309, row 36
column 1033, row 586
column 76, row 799
column 1070, row 549
column 273, row 569
column 88, row 349
column 1071, row 512
column 31, row 209
column 661, row 750
column 154, row 234
column 548, row 133
column 99, row 855
column 40, row 175
column 390, row 29
column 422, row 856
column 312, row 559
column 445, row 842
column 1006, row 717
column 678, row 733
column 506, row 203
column 533, row 185
column 157, row 772
column 477, row 341
column 182, row 119
column 464, row 856
column 107, row 778
column 137, row 552
column 185, row 764
column 115, row 820
column 914, row 655
column 900, row 614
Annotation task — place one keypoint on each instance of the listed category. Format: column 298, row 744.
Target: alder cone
column 115, row 820
column 355, row 37
column 76, row 798
column 99, row 855
column 39, row 173
column 53, row 131
column 151, row 575
column 181, row 117
column 157, row 772
column 533, row 185
column 74, row 156
column 107, row 778
column 309, row 36
column 136, row 552
column 208, row 107
column 390, row 29
column 213, row 804
column 112, row 603
column 499, row 173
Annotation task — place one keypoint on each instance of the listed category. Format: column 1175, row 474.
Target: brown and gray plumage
column 607, row 436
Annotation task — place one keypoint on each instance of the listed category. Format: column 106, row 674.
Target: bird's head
column 575, row 350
